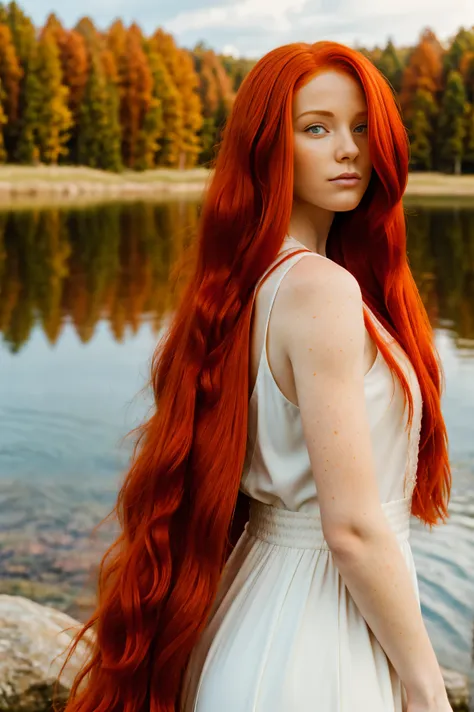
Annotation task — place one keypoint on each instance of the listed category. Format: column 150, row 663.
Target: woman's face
column 330, row 139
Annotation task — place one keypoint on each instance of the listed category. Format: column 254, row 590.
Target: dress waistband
column 303, row 530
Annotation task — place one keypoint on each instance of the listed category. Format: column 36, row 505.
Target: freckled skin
column 330, row 130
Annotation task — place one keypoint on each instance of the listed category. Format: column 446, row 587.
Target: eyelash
column 313, row 126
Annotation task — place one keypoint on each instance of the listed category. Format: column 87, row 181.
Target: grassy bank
column 442, row 184
column 82, row 185
column 68, row 182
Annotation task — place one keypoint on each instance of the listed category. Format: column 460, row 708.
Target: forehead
column 330, row 90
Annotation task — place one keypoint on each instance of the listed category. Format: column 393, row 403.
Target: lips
column 348, row 176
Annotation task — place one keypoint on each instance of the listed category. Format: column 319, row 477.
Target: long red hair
column 177, row 502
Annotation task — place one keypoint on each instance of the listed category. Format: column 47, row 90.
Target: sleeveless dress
column 284, row 634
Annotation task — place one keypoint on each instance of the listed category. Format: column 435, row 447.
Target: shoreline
column 65, row 184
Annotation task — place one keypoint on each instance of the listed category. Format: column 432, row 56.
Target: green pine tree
column 148, row 137
column 54, row 116
column 469, row 139
column 27, row 150
column 99, row 136
column 390, row 64
column 462, row 42
column 424, row 112
column 452, row 122
column 46, row 118
column 23, row 34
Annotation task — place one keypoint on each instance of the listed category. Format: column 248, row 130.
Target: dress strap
column 279, row 260
column 289, row 258
column 290, row 263
column 281, row 257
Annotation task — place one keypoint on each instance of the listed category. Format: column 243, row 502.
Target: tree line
column 118, row 99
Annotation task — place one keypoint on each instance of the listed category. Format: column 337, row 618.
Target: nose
column 347, row 149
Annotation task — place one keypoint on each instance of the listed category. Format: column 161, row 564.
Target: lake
column 84, row 295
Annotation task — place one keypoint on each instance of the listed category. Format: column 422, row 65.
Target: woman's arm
column 320, row 306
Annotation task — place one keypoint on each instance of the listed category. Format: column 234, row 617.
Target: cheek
column 308, row 163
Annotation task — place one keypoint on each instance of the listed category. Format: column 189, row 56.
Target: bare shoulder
column 323, row 310
column 321, row 277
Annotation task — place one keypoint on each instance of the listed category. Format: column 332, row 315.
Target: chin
column 344, row 204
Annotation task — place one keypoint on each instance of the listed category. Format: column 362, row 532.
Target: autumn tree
column 48, row 117
column 168, row 143
column 467, row 70
column 424, row 70
column 74, row 66
column 10, row 72
column 420, row 96
column 86, row 28
column 23, row 35
column 216, row 94
column 140, row 111
column 3, row 121
column 116, row 40
column 180, row 66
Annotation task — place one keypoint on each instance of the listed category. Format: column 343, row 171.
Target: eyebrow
column 328, row 113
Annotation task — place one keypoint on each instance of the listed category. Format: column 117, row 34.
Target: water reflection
column 83, row 295
column 441, row 251
column 115, row 262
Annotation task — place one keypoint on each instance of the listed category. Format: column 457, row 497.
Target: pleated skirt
column 284, row 634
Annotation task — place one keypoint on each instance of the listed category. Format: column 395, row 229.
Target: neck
column 310, row 225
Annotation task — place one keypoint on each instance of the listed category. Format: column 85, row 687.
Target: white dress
column 284, row 634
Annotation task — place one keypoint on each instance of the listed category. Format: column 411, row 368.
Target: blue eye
column 362, row 126
column 315, row 126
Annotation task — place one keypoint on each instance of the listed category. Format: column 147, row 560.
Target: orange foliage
column 10, row 73
column 75, row 65
column 424, row 70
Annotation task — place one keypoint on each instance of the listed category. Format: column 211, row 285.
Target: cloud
column 278, row 14
column 231, row 51
column 373, row 25
column 263, row 24
column 252, row 27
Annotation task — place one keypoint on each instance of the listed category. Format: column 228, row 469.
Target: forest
column 118, row 99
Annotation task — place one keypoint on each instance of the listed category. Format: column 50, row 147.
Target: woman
column 321, row 405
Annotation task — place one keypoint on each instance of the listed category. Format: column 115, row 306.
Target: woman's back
column 284, row 632
column 276, row 444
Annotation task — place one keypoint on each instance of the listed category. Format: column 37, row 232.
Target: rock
column 457, row 686
column 32, row 644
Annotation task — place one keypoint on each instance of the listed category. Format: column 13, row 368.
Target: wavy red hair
column 177, row 502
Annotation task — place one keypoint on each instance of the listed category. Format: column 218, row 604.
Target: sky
column 249, row 28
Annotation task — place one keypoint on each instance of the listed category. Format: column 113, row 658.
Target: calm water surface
column 84, row 294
